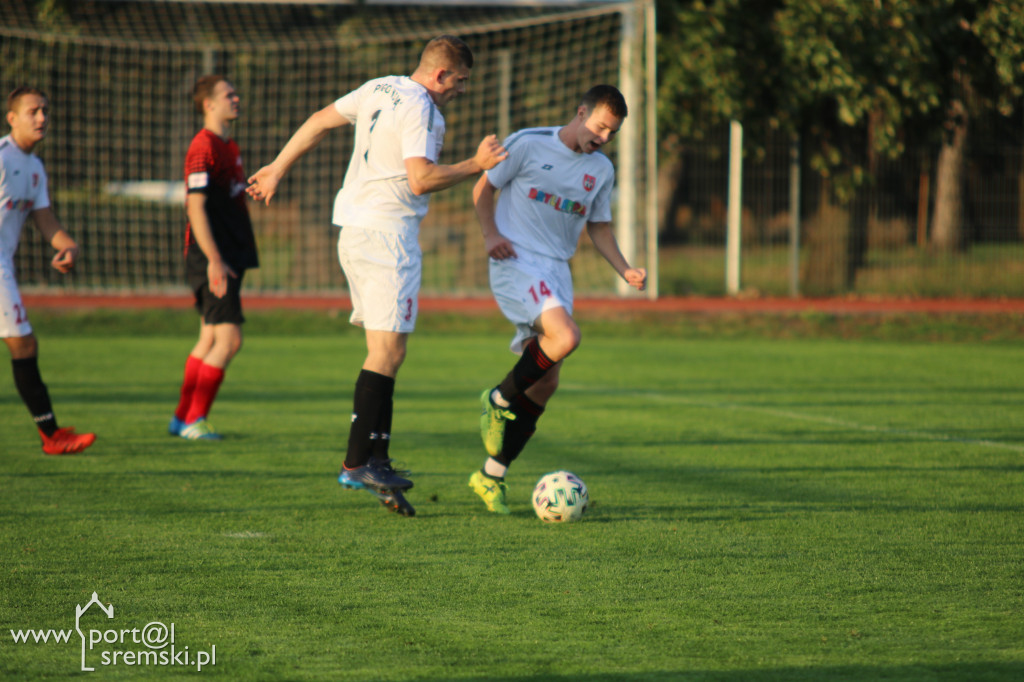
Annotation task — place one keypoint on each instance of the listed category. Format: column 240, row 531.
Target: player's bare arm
column 603, row 237
column 495, row 244
column 217, row 271
column 263, row 183
column 426, row 176
column 67, row 249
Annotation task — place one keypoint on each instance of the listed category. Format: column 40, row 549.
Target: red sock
column 188, row 386
column 207, row 384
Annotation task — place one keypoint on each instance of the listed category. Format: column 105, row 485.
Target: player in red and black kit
column 219, row 248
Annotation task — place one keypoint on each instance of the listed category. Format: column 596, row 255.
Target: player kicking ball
column 554, row 183
column 23, row 193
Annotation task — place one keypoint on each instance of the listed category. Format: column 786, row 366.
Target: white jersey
column 22, row 190
column 549, row 192
column 395, row 119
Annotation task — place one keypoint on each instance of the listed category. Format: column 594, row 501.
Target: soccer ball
column 560, row 497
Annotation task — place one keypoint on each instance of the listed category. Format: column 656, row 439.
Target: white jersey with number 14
column 549, row 192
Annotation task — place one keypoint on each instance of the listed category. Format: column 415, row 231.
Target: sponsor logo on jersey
column 588, row 182
column 546, row 166
column 20, row 204
column 558, row 203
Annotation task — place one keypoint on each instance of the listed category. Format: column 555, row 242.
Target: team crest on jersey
column 35, row 179
column 588, row 182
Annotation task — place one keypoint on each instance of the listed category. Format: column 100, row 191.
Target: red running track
column 837, row 306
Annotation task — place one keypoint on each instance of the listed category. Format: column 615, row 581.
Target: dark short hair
column 605, row 95
column 19, row 92
column 448, row 51
column 204, row 88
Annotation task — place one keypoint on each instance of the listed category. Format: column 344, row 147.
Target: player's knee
column 22, row 347
column 396, row 356
column 228, row 342
column 385, row 361
column 565, row 341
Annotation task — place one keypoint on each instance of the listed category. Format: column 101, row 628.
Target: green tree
column 851, row 78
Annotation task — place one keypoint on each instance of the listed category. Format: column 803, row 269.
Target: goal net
column 119, row 76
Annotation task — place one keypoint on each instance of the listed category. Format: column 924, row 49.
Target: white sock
column 499, row 399
column 494, row 468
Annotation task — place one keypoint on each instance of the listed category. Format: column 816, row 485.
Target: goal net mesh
column 119, row 77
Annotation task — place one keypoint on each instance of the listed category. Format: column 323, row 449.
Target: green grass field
column 764, row 508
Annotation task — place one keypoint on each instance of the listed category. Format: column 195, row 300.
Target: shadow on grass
column 965, row 672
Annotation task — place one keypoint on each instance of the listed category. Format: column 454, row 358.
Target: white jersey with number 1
column 395, row 120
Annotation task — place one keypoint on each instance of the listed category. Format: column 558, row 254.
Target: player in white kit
column 399, row 131
column 554, row 183
column 23, row 193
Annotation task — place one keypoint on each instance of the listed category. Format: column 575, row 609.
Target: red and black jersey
column 213, row 166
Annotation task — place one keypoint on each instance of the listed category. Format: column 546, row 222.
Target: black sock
column 373, row 393
column 532, row 365
column 34, row 394
column 519, row 430
column 382, row 442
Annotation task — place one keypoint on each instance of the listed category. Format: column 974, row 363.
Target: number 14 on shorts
column 539, row 291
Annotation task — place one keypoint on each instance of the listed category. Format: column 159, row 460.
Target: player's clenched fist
column 636, row 278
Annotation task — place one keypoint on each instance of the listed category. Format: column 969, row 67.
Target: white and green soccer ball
column 560, row 497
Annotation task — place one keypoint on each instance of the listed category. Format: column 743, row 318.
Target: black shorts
column 224, row 310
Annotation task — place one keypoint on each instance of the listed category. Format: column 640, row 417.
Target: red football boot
column 66, row 442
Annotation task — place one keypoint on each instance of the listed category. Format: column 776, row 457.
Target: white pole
column 652, row 152
column 794, row 218
column 733, row 234
column 626, row 173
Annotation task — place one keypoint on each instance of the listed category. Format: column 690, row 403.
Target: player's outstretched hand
column 636, row 278
column 499, row 248
column 64, row 260
column 263, row 184
column 490, row 153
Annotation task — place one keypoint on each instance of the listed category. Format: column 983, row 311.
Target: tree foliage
column 825, row 69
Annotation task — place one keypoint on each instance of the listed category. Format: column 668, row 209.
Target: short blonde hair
column 447, row 51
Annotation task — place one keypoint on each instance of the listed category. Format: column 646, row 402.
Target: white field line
column 804, row 416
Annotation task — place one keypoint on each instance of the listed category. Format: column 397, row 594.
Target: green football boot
column 492, row 492
column 492, row 423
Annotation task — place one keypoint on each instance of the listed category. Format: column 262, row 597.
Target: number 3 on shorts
column 542, row 288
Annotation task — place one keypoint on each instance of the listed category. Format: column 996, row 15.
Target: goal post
column 119, row 76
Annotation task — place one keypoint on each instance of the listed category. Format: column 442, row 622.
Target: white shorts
column 383, row 270
column 13, row 318
column 525, row 287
